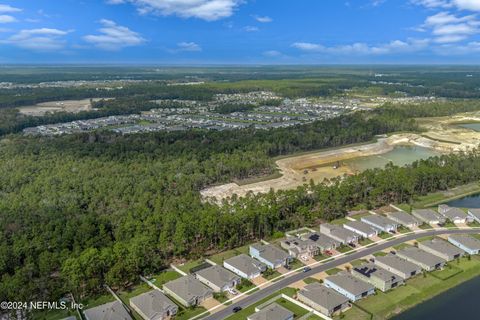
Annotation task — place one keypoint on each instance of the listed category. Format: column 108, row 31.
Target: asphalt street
column 277, row 286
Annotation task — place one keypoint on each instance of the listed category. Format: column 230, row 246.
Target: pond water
column 472, row 201
column 473, row 126
column 400, row 156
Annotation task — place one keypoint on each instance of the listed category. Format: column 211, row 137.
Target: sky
column 240, row 31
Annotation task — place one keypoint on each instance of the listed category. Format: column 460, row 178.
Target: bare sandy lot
column 72, row 106
column 442, row 135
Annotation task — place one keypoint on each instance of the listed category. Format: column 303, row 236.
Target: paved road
column 277, row 286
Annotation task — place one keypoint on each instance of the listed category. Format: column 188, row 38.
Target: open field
column 70, row 106
column 442, row 135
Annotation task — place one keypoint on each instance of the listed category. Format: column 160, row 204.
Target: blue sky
column 240, row 31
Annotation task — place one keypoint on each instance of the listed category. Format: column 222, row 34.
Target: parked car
column 306, row 269
column 237, row 309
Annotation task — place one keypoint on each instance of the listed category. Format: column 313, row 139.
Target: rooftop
column 468, row 241
column 428, row 214
column 360, row 226
column 349, row 283
column 152, row 303
column 379, row 220
column 326, row 297
column 403, row 217
column 420, row 256
column 455, row 213
column 398, row 263
column 217, row 275
column 442, row 246
column 187, row 287
column 272, row 312
column 322, row 240
column 371, row 270
column 270, row 252
column 245, row 264
column 109, row 311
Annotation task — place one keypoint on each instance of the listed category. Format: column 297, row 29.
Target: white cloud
column 42, row 39
column 446, row 27
column 5, row 8
column 250, row 28
column 209, row 10
column 264, row 19
column 392, row 47
column 272, row 53
column 472, row 5
column 114, row 37
column 188, row 47
column 7, row 19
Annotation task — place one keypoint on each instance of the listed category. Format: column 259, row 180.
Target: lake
column 459, row 302
column 473, row 126
column 400, row 156
column 472, row 201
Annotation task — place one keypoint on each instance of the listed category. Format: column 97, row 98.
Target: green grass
column 92, row 302
column 134, row 291
column 365, row 241
column 222, row 256
column 333, row 271
column 188, row 313
column 310, row 280
column 344, row 249
column 404, row 206
column 54, row 314
column 449, row 271
column 271, row 274
column 358, row 262
column 361, row 215
column 354, row 313
column 474, row 224
column 245, row 285
column 242, row 315
column 385, row 235
column 320, row 257
column 189, row 265
column 402, row 246
column 449, row 224
column 340, row 221
column 380, row 254
column 425, row 226
column 160, row 279
column 220, row 297
column 297, row 310
column 403, row 230
column 420, row 289
column 436, row 198
column 295, row 264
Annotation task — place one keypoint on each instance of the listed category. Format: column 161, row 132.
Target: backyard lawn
column 160, row 279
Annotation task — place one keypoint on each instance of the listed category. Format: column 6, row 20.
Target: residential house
column 323, row 242
column 381, row 223
column 322, row 299
column 154, row 305
column 382, row 279
column 188, row 290
column 455, row 215
column 426, row 260
column 273, row 311
column 339, row 233
column 404, row 219
column 109, row 311
column 299, row 248
column 245, row 266
column 361, row 228
column 429, row 216
column 474, row 214
column 398, row 266
column 467, row 243
column 270, row 255
column 218, row 278
column 349, row 286
column 441, row 248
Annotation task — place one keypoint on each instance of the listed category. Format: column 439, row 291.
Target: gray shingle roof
column 338, row 231
column 270, row 252
column 153, row 304
column 349, row 283
column 188, row 287
column 218, row 275
column 109, row 311
column 360, row 226
column 420, row 256
column 428, row 215
column 475, row 213
column 272, row 312
column 379, row 220
column 321, row 240
column 403, row 218
column 442, row 246
column 468, row 241
column 245, row 264
column 323, row 296
column 371, row 270
column 397, row 263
